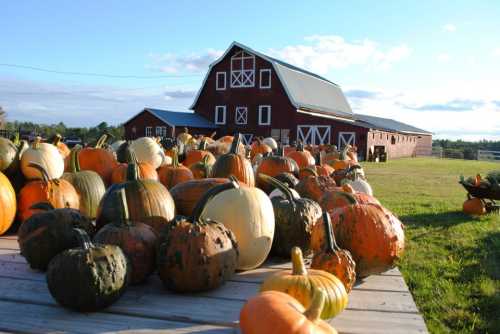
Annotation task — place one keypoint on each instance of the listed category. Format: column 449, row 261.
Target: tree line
column 464, row 149
column 88, row 135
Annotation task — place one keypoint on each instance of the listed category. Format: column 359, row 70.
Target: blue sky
column 434, row 64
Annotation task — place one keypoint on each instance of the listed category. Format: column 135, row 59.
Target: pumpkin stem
column 316, row 307
column 311, row 170
column 331, row 243
column 122, row 205
column 349, row 197
column 74, row 163
column 212, row 135
column 57, row 139
column 175, row 157
column 200, row 206
column 298, row 265
column 36, row 142
column 290, row 196
column 83, row 238
column 300, row 146
column 102, row 140
column 235, row 144
column 45, row 175
column 203, row 145
column 206, row 165
column 132, row 172
column 281, row 151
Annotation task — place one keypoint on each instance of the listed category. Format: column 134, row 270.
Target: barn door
column 246, row 138
column 313, row 134
column 346, row 138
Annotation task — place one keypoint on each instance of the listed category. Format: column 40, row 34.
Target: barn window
column 393, row 140
column 241, row 116
column 149, row 131
column 220, row 81
column 220, row 114
column 161, row 131
column 134, row 129
column 265, row 78
column 242, row 70
column 381, row 135
column 264, row 115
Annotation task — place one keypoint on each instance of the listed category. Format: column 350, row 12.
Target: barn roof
column 387, row 124
column 305, row 89
column 179, row 118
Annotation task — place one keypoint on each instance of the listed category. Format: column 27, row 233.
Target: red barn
column 248, row 92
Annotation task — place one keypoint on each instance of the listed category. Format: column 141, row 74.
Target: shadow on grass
column 444, row 219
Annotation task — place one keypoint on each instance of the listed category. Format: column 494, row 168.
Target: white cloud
column 322, row 53
column 449, row 27
column 443, row 57
column 496, row 52
column 173, row 63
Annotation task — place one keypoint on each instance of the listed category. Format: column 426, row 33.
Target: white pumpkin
column 148, row 150
column 276, row 192
column 248, row 212
column 47, row 156
column 361, row 186
column 269, row 141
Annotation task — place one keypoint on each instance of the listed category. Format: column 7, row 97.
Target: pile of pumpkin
column 195, row 210
column 484, row 191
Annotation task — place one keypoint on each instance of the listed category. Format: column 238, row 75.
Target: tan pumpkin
column 248, row 212
column 278, row 313
column 45, row 155
column 301, row 283
column 148, row 150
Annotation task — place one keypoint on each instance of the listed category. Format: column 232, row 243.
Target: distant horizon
column 424, row 66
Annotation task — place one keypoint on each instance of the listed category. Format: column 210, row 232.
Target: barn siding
column 404, row 145
column 251, row 97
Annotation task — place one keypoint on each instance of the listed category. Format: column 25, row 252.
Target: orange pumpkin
column 58, row 192
column 313, row 187
column 307, row 171
column 474, row 206
column 375, row 240
column 234, row 164
column 259, row 147
column 173, row 174
column 146, row 171
column 194, row 156
column 98, row 159
column 7, row 204
column 274, row 165
column 201, row 169
column 302, row 157
column 331, row 200
column 333, row 259
column 278, row 313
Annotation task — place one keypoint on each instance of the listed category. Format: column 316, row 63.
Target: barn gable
column 305, row 90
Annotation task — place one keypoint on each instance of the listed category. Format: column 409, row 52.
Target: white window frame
column 308, row 134
column 217, row 86
column 341, row 135
column 241, row 77
column 148, row 131
column 161, row 131
column 266, row 70
column 267, row 107
column 241, row 115
column 217, row 108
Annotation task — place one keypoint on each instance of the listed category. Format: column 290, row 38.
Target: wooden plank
column 9, row 243
column 369, row 322
column 43, row 319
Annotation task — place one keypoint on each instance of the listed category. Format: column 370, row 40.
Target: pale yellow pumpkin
column 248, row 212
column 148, row 150
column 47, row 156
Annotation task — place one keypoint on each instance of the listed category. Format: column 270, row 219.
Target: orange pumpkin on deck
column 302, row 157
column 98, row 159
column 58, row 192
column 278, row 313
column 146, row 171
column 374, row 239
column 7, row 204
column 173, row 174
column 234, row 164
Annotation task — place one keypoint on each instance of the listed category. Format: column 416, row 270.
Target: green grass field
column 452, row 261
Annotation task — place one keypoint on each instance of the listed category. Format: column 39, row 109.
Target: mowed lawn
column 452, row 260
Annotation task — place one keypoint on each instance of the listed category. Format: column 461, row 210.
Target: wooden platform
column 379, row 304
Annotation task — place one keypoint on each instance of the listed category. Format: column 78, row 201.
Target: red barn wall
column 403, row 145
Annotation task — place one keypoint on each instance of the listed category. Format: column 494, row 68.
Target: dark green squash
column 148, row 201
column 294, row 218
column 46, row 234
column 87, row 183
column 122, row 154
column 137, row 240
column 196, row 254
column 88, row 278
